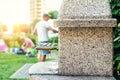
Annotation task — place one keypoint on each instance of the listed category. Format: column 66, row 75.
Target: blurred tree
column 53, row 14
column 32, row 25
column 17, row 28
column 4, row 27
column 115, row 6
column 25, row 28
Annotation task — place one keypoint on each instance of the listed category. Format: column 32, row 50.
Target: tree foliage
column 32, row 25
column 115, row 6
column 17, row 28
column 53, row 14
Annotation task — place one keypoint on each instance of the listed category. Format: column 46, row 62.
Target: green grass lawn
column 10, row 63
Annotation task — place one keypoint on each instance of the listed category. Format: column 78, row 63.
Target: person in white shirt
column 42, row 29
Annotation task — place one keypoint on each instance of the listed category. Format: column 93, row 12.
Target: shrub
column 15, row 40
column 53, row 14
column 115, row 6
column 53, row 40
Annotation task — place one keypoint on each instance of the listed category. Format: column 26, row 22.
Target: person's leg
column 48, row 55
column 41, row 58
column 43, row 53
column 44, row 58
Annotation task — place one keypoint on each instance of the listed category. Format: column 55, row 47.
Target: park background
column 19, row 17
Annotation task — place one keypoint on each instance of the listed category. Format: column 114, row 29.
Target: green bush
column 115, row 6
column 15, row 40
column 33, row 38
column 53, row 14
column 53, row 40
column 12, row 40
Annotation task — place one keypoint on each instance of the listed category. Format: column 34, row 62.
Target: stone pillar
column 85, row 38
column 85, row 43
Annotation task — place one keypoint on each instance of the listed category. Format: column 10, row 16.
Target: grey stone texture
column 86, row 23
column 44, row 68
column 48, row 71
column 58, row 77
column 85, row 42
column 85, row 38
column 77, row 9
column 85, row 51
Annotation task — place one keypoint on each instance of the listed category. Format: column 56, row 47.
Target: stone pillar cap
column 86, row 23
column 85, row 13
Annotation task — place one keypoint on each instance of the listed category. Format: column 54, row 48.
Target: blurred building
column 39, row 7
column 35, row 9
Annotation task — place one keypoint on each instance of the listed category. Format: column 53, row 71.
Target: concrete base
column 44, row 68
column 57, row 77
column 48, row 71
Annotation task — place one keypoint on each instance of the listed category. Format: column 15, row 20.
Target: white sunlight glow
column 14, row 11
column 18, row 11
column 52, row 5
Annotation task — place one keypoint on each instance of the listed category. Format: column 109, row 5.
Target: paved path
column 22, row 72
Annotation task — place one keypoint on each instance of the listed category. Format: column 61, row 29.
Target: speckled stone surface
column 85, row 38
column 57, row 77
column 86, row 23
column 85, row 13
column 48, row 71
column 85, row 51
column 72, row 9
column 44, row 68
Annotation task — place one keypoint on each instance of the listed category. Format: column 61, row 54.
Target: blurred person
column 3, row 46
column 27, row 43
column 42, row 28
